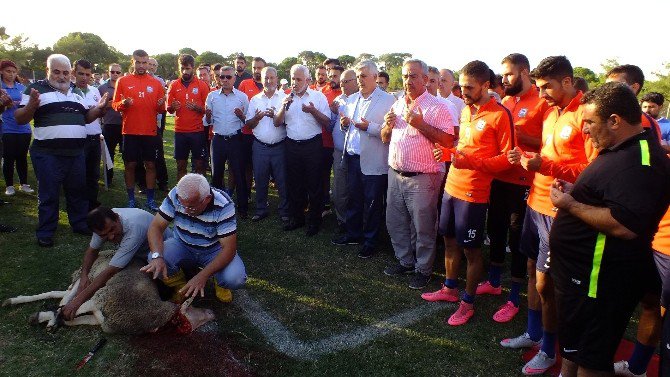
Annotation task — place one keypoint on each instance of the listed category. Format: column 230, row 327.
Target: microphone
column 288, row 104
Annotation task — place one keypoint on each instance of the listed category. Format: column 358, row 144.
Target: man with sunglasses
column 204, row 236
column 225, row 111
column 111, row 121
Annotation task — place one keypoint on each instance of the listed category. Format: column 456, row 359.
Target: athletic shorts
column 590, row 329
column 663, row 267
column 193, row 143
column 462, row 220
column 138, row 148
column 535, row 238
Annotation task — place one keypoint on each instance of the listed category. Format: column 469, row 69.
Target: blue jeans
column 365, row 202
column 177, row 254
column 52, row 172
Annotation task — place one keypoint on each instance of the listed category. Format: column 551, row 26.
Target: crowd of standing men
column 574, row 184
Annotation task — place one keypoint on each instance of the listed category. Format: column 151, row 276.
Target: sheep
column 128, row 304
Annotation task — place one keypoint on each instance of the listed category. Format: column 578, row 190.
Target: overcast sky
column 443, row 33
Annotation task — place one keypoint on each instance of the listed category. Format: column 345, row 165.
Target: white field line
column 286, row 342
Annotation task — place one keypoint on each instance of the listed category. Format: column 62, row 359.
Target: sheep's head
column 187, row 318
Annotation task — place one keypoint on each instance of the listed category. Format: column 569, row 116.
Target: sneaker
column 26, row 189
column 131, row 203
column 485, row 288
column 443, row 294
column 521, row 341
column 506, row 312
column 419, row 280
column 462, row 315
column 621, row 369
column 366, row 252
column 151, row 206
column 9, row 191
column 398, row 269
column 344, row 240
column 539, row 364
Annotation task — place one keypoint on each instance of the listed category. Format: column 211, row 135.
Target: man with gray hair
column 366, row 157
column 447, row 81
column 269, row 150
column 57, row 151
column 303, row 113
column 204, row 236
column 412, row 127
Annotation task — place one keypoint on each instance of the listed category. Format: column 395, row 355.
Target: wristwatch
column 156, row 255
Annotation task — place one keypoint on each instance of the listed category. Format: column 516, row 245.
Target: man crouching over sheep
column 126, row 227
column 204, row 236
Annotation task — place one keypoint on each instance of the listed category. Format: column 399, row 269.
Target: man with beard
column 82, row 75
column 140, row 98
column 111, row 121
column 321, row 83
column 486, row 136
column 186, row 99
column 349, row 86
column 57, row 151
column 269, row 150
column 602, row 262
column 366, row 157
column 303, row 113
column 254, row 85
column 509, row 189
column 566, row 150
column 240, row 73
column 383, row 80
column 412, row 127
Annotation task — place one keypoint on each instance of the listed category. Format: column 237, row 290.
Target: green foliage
column 167, row 66
column 188, row 50
column 209, row 57
column 311, row 59
column 346, row 61
column 87, row 46
column 284, row 67
column 591, row 77
column 660, row 85
column 394, row 59
column 395, row 78
column 366, row 56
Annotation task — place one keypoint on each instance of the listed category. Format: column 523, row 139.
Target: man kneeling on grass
column 126, row 227
column 204, row 237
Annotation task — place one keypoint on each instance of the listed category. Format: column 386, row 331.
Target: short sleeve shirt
column 135, row 223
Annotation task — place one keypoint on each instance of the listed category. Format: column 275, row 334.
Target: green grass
column 314, row 288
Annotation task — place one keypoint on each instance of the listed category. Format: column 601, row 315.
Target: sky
column 445, row 34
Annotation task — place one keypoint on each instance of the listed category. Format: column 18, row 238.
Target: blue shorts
column 177, row 254
column 535, row 238
column 193, row 143
column 462, row 220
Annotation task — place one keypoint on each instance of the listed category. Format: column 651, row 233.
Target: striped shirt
column 204, row 230
column 409, row 150
column 59, row 121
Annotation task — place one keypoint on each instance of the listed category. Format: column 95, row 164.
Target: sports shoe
column 539, row 364
column 151, row 205
column 131, row 203
column 443, row 294
column 366, row 252
column 621, row 369
column 398, row 269
column 506, row 312
column 9, row 191
column 344, row 240
column 419, row 280
column 521, row 341
column 485, row 288
column 26, row 189
column 462, row 315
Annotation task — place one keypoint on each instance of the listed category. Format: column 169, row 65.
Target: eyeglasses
column 116, row 72
column 346, row 81
column 192, row 209
column 227, row 77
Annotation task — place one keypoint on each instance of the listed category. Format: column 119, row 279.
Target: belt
column 303, row 141
column 93, row 137
column 406, row 173
column 228, row 137
column 267, row 144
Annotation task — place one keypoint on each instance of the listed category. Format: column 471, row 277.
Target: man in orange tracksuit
column 565, row 152
column 485, row 136
column 186, row 99
column 509, row 189
column 139, row 98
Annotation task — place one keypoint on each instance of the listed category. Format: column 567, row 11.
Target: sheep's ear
column 186, row 304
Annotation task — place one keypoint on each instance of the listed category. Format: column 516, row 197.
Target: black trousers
column 161, row 168
column 228, row 148
column 304, row 172
column 15, row 152
column 507, row 208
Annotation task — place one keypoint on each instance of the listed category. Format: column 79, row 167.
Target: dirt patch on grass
column 197, row 354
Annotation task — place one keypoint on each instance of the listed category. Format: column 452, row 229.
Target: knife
column 92, row 352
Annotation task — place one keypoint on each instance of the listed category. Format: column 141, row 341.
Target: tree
column 394, row 59
column 346, row 61
column 167, row 65
column 209, row 57
column 591, row 77
column 87, row 46
column 189, row 51
column 284, row 68
column 660, row 85
column 365, row 56
column 14, row 48
column 395, row 78
column 311, row 59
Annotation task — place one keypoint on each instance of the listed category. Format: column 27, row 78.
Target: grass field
column 310, row 289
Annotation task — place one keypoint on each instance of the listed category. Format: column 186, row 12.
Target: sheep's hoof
column 34, row 319
column 7, row 302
